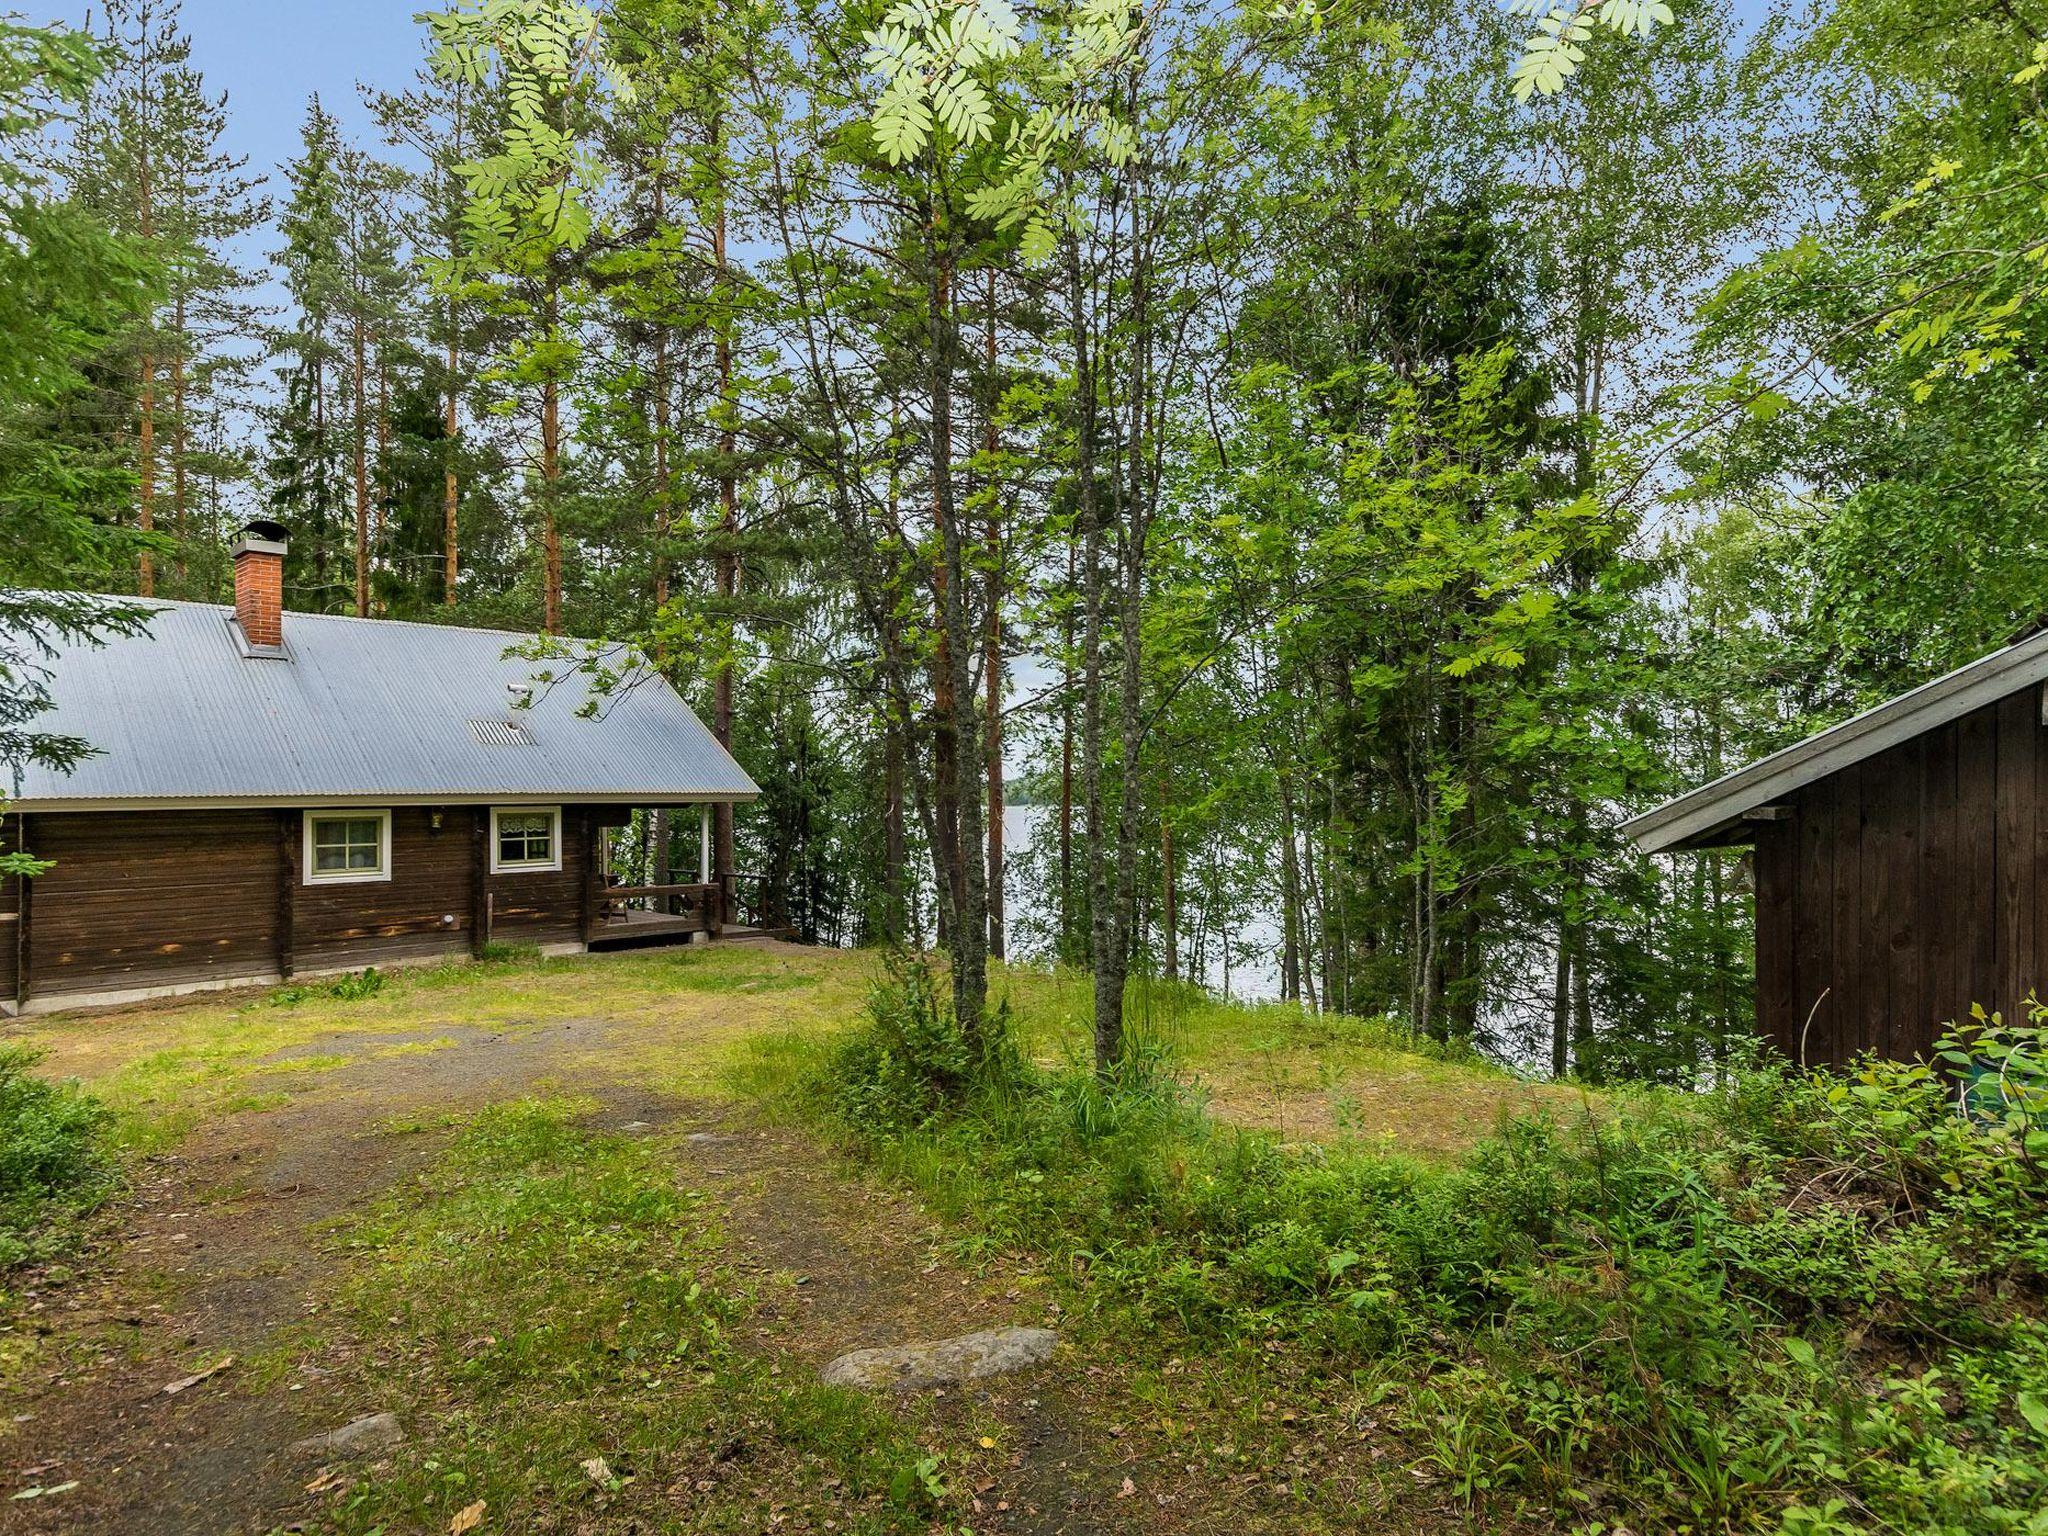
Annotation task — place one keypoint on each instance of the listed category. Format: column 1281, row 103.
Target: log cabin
column 276, row 794
column 1900, row 862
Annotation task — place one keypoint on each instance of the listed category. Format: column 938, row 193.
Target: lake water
column 1254, row 975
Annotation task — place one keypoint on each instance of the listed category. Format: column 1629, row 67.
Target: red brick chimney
column 259, row 584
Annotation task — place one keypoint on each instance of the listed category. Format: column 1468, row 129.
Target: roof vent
column 500, row 733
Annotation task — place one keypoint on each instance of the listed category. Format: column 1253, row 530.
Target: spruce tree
column 70, row 289
column 307, row 437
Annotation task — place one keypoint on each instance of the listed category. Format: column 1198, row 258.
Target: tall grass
column 1805, row 1303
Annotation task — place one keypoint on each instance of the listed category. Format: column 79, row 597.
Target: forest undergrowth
column 1797, row 1301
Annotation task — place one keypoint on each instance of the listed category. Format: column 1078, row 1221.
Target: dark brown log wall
column 151, row 900
column 10, row 911
column 1905, row 888
column 546, row 908
column 155, row 899
column 406, row 917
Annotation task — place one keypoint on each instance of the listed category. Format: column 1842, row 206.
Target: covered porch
column 638, row 901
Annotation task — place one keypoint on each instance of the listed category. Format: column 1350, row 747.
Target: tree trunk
column 664, row 487
column 946, row 850
column 970, row 926
column 451, row 485
column 145, row 430
column 380, row 498
column 180, row 442
column 894, row 855
column 360, row 436
column 1066, row 938
column 145, row 465
column 1560, row 1005
column 1290, row 896
column 1169, row 902
column 657, row 853
column 727, row 562
column 551, row 480
column 1109, row 974
column 1112, row 959
column 1584, row 1053
column 992, row 658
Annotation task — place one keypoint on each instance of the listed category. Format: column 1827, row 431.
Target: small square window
column 355, row 846
column 527, row 840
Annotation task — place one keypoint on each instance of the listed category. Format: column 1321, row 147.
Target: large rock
column 972, row 1355
column 359, row 1437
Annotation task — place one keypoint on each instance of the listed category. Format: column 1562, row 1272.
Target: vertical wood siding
column 1905, row 888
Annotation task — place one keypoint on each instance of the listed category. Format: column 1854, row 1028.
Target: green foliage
column 1917, row 297
column 1554, row 52
column 54, row 1163
column 349, row 987
column 68, row 289
column 911, row 1063
column 1800, row 1303
column 530, row 195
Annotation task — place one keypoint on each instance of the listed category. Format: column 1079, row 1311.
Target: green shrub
column 53, row 1159
column 1801, row 1302
column 911, row 1061
column 349, row 987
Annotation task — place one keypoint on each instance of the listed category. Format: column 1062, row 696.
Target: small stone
column 358, row 1437
column 967, row 1358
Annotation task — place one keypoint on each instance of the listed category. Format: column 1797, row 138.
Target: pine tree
column 527, row 219
column 443, row 121
column 145, row 157
column 372, row 315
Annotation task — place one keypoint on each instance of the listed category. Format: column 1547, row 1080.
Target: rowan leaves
column 1553, row 53
column 927, row 54
column 531, row 194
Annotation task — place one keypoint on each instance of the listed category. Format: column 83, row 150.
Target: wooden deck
column 637, row 929
column 649, row 930
column 646, row 916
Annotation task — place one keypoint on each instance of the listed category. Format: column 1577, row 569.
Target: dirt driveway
column 224, row 1252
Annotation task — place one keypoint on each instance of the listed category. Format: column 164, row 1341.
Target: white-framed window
column 526, row 839
column 344, row 847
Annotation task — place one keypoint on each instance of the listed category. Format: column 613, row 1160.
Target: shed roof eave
column 1677, row 824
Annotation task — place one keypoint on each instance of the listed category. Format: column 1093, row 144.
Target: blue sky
column 270, row 55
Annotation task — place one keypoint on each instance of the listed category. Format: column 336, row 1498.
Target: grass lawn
column 544, row 1210
column 1276, row 1067
column 166, row 1067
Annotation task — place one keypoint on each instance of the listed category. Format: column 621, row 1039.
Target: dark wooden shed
column 1901, row 862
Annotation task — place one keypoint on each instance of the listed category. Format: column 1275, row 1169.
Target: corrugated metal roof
column 1715, row 812
column 364, row 710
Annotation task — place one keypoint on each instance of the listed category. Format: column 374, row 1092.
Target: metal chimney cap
column 262, row 537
